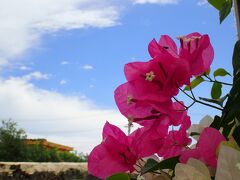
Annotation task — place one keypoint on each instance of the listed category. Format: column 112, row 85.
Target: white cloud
column 202, row 2
column 155, row 1
column 64, row 63
column 87, row 67
column 24, row 68
column 24, row 22
column 62, row 82
column 34, row 75
column 64, row 119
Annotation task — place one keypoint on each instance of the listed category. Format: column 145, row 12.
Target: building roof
column 49, row 144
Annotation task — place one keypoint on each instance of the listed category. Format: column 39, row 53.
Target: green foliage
column 13, row 148
column 216, row 91
column 152, row 165
column 236, row 59
column 194, row 83
column 223, row 6
column 217, row 3
column 11, row 142
column 225, row 10
column 119, row 176
column 38, row 153
column 215, row 101
column 220, row 72
column 230, row 118
column 194, row 134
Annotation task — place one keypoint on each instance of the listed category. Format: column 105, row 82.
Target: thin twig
column 200, row 102
column 228, row 84
column 180, row 102
column 211, row 80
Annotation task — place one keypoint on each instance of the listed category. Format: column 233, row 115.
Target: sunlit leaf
column 198, row 80
column 221, row 72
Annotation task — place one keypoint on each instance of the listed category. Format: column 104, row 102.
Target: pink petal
column 198, row 52
column 103, row 165
column 169, row 44
column 149, row 139
column 154, row 49
column 113, row 131
column 206, row 147
column 174, row 144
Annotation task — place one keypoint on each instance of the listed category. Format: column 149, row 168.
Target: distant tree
column 11, row 142
column 14, row 148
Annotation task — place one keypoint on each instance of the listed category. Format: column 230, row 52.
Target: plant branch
column 237, row 14
column 180, row 102
column 200, row 102
column 211, row 80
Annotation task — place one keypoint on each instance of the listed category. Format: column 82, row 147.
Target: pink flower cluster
column 147, row 99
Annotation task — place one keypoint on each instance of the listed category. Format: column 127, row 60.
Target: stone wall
column 42, row 171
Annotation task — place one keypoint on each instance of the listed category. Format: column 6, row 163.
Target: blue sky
column 60, row 61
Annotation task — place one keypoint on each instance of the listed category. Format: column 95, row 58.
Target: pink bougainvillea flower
column 147, row 140
column 175, row 142
column 195, row 48
column 113, row 155
column 176, row 112
column 167, row 72
column 134, row 101
column 166, row 44
column 205, row 148
column 139, row 105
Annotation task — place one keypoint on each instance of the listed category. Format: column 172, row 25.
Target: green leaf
column 216, row 122
column 236, row 58
column 152, row 165
column 119, row 176
column 149, row 166
column 236, row 135
column 225, row 10
column 194, row 83
column 221, row 72
column 216, row 90
column 217, row 3
column 194, row 134
column 215, row 101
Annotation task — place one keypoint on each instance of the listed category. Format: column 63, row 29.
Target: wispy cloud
column 24, row 68
column 62, row 82
column 33, row 75
column 26, row 21
column 202, row 2
column 70, row 120
column 155, row 1
column 87, row 67
column 64, row 62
